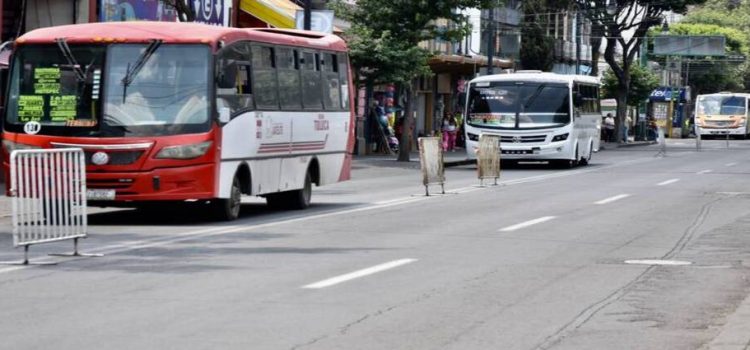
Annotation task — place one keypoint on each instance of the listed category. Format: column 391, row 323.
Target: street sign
column 689, row 45
column 209, row 11
column 320, row 20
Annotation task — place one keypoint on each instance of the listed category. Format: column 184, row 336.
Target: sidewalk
column 450, row 159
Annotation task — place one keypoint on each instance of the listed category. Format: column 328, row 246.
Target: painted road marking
column 670, row 181
column 704, row 171
column 731, row 164
column 218, row 231
column 612, row 199
column 658, row 262
column 359, row 273
column 527, row 223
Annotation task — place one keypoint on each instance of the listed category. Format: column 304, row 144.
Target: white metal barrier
column 48, row 189
column 431, row 160
column 488, row 158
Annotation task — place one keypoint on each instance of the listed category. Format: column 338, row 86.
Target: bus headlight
column 184, row 151
column 561, row 137
column 11, row 146
column 472, row 137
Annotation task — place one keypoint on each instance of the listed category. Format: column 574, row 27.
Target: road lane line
column 359, row 273
column 527, row 224
column 670, row 181
column 731, row 164
column 222, row 230
column 704, row 171
column 612, row 199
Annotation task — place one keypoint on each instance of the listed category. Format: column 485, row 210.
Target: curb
column 452, row 163
column 607, row 146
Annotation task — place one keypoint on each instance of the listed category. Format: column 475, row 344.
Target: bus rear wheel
column 296, row 199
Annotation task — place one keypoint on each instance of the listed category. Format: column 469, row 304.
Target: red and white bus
column 186, row 112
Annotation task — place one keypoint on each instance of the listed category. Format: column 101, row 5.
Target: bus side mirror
column 224, row 115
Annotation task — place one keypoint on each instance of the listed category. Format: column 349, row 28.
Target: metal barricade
column 488, row 158
column 48, row 189
column 431, row 160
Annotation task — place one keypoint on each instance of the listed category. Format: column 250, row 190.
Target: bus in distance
column 538, row 116
column 174, row 112
column 723, row 113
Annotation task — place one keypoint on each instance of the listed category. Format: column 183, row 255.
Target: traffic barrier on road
column 488, row 158
column 431, row 159
column 48, row 189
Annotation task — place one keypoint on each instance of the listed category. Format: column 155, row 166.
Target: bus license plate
column 100, row 195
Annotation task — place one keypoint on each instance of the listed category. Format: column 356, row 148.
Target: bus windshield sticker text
column 46, row 81
column 30, row 108
column 62, row 108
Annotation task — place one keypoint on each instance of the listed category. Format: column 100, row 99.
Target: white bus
column 538, row 116
column 724, row 113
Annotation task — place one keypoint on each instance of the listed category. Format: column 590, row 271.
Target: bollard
column 488, row 158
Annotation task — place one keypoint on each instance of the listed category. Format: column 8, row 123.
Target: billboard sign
column 135, row 10
column 320, row 20
column 209, row 11
column 689, row 45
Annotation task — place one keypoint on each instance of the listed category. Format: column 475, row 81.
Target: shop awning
column 277, row 13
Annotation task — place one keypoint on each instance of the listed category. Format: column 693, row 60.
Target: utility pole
column 491, row 41
column 308, row 10
column 578, row 41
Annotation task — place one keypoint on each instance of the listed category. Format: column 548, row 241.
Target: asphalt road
column 537, row 262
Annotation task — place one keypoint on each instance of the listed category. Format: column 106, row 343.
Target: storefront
column 661, row 102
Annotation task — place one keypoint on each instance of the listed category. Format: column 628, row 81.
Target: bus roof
column 538, row 77
column 743, row 94
column 173, row 32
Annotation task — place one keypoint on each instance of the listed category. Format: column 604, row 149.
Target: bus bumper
column 163, row 184
column 722, row 131
column 554, row 150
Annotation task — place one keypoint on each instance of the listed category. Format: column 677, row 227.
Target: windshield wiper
column 534, row 96
column 65, row 49
column 131, row 72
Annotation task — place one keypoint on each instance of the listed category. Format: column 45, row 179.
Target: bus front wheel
column 228, row 209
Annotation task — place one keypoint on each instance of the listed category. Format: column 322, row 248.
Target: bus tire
column 228, row 209
column 296, row 199
column 587, row 160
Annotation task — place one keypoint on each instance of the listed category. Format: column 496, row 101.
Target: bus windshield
column 721, row 105
column 518, row 105
column 82, row 90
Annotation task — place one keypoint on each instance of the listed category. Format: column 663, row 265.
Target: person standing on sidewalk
column 625, row 127
column 449, row 133
column 609, row 128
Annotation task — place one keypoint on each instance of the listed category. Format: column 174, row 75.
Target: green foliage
column 536, row 48
column 722, row 13
column 385, row 34
column 536, row 45
column 642, row 82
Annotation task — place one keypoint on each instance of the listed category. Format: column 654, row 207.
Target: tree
column 384, row 42
column 642, row 83
column 536, row 45
column 707, row 74
column 617, row 22
column 726, row 14
column 184, row 8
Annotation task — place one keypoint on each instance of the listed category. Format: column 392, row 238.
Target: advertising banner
column 135, row 10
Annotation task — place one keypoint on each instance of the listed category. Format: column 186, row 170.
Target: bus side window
column 233, row 88
column 290, row 87
column 265, row 84
column 331, row 92
column 311, row 85
column 343, row 62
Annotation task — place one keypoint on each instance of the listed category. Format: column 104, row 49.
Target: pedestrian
column 609, row 127
column 625, row 128
column 449, row 133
